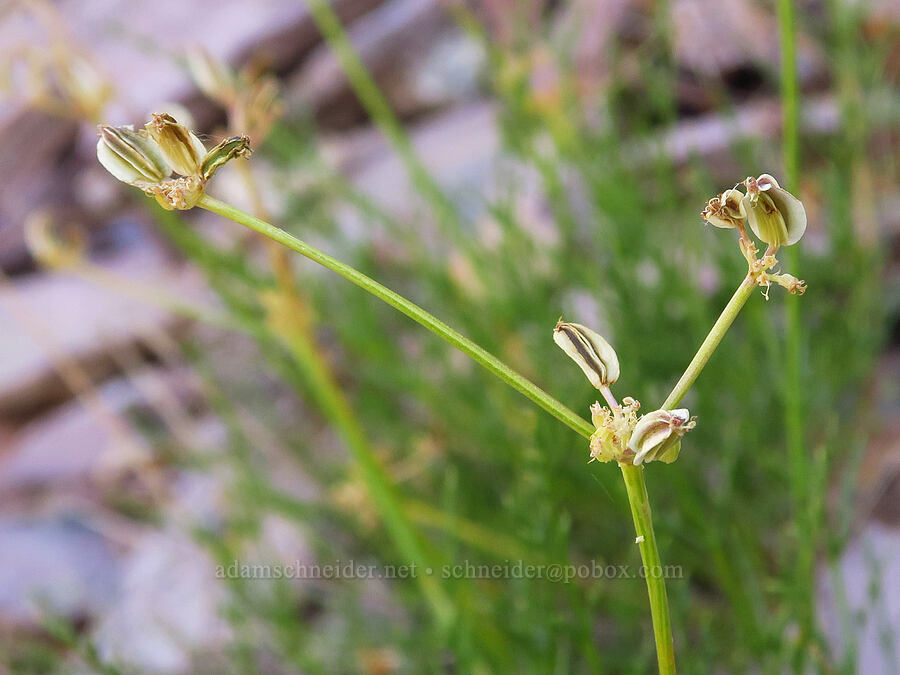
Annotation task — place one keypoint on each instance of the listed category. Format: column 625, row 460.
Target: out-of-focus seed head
column 182, row 149
column 83, row 85
column 258, row 105
column 657, row 435
column 52, row 244
column 212, row 77
column 594, row 355
column 775, row 215
column 236, row 146
column 725, row 210
column 131, row 156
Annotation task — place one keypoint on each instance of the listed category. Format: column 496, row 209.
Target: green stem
column 793, row 376
column 656, row 585
column 716, row 333
column 413, row 311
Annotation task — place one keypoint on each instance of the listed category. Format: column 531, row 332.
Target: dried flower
column 657, row 435
column 590, row 351
column 775, row 215
column 609, row 442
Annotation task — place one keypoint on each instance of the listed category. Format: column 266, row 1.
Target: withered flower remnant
column 657, row 435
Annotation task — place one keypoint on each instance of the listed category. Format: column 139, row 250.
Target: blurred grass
column 488, row 478
column 734, row 513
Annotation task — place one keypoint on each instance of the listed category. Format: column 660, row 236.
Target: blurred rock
column 457, row 147
column 862, row 591
column 169, row 607
column 82, row 320
column 435, row 66
column 722, row 38
column 70, row 448
column 33, row 148
column 53, row 566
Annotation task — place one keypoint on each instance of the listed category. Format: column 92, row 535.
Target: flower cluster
column 146, row 159
column 620, row 435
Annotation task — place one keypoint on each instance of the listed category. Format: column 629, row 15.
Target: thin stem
column 716, row 333
column 793, row 376
column 653, row 569
column 413, row 311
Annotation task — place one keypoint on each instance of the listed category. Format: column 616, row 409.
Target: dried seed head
column 236, row 146
column 590, row 351
column 183, row 149
column 211, row 76
column 657, row 435
column 131, row 156
column 775, row 215
column 725, row 210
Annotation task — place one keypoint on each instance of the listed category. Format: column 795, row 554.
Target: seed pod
column 236, row 146
column 725, row 210
column 131, row 156
column 592, row 353
column 183, row 149
column 775, row 215
column 657, row 435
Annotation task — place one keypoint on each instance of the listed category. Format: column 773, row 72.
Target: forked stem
column 633, row 475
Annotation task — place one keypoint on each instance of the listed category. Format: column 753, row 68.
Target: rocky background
column 84, row 356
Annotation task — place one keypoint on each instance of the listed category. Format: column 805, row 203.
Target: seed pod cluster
column 146, row 159
column 775, row 215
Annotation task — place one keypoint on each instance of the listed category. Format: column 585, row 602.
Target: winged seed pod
column 590, row 351
column 775, row 215
column 657, row 435
column 131, row 156
column 725, row 210
column 183, row 149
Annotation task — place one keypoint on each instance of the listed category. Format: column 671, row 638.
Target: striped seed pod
column 590, row 351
